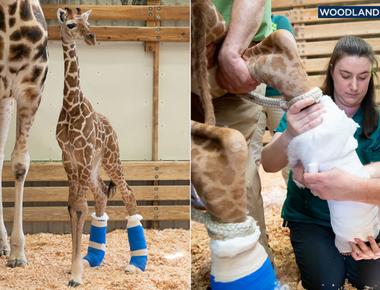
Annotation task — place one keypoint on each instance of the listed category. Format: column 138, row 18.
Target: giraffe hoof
column 16, row 263
column 73, row 283
column 132, row 269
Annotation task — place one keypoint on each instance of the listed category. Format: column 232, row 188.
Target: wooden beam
column 317, row 80
column 314, row 48
column 116, row 213
column 320, row 31
column 124, row 12
column 320, row 64
column 130, row 33
column 161, row 170
column 60, row 193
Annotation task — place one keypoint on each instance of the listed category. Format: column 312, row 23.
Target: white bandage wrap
column 134, row 220
column 99, row 221
column 236, row 258
column 332, row 145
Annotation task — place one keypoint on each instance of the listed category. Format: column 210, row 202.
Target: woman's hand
column 303, row 116
column 360, row 251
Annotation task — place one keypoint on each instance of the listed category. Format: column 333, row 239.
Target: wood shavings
column 274, row 192
column 49, row 260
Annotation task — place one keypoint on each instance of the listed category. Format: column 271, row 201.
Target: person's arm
column 302, row 116
column 337, row 184
column 233, row 74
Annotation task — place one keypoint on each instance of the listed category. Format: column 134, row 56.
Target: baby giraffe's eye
column 71, row 25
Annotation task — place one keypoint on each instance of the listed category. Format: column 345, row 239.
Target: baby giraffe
column 88, row 141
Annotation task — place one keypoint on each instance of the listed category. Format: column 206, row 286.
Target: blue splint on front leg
column 97, row 244
column 264, row 278
column 137, row 243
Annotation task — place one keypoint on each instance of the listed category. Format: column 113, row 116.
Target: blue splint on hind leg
column 97, row 244
column 137, row 243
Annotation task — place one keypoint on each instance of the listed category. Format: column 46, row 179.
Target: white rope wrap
column 314, row 93
column 224, row 231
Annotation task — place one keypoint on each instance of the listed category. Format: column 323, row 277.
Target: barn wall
column 117, row 79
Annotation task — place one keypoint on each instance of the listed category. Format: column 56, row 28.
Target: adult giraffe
column 23, row 69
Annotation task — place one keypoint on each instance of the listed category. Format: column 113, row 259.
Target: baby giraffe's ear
column 86, row 15
column 61, row 15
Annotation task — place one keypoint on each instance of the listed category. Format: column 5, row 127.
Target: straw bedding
column 49, row 257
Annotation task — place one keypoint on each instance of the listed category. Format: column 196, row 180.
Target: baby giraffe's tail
column 111, row 189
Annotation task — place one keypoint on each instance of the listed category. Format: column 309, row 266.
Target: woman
column 350, row 83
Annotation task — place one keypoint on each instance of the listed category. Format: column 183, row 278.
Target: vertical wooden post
column 154, row 47
column 156, row 64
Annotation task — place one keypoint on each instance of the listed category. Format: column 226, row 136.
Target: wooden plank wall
column 316, row 37
column 161, row 187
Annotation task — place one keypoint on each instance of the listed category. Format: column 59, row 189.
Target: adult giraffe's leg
column 28, row 100
column 6, row 108
column 135, row 230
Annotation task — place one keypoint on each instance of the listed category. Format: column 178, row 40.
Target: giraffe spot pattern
column 31, row 33
column 18, row 52
column 278, row 64
column 12, row 8
column 39, row 16
column 5, row 82
column 11, row 22
column 44, row 76
column 25, row 11
column 20, row 171
column 1, row 47
column 41, row 52
column 2, row 19
column 35, row 74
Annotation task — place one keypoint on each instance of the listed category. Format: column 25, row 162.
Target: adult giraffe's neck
column 71, row 90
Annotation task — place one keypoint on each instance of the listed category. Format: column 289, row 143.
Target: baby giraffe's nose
column 90, row 36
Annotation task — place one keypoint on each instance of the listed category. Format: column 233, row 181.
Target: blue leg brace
column 137, row 243
column 97, row 244
column 264, row 279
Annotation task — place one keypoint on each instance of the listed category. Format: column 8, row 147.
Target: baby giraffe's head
column 75, row 25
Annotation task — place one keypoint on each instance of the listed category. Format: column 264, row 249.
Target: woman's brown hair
column 355, row 46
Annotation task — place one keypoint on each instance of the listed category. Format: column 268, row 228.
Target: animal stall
column 316, row 39
column 137, row 75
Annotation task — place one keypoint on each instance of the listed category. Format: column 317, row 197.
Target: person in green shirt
column 247, row 21
column 350, row 82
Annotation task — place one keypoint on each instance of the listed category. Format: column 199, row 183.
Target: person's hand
column 232, row 74
column 360, row 251
column 334, row 184
column 303, row 116
column 298, row 172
